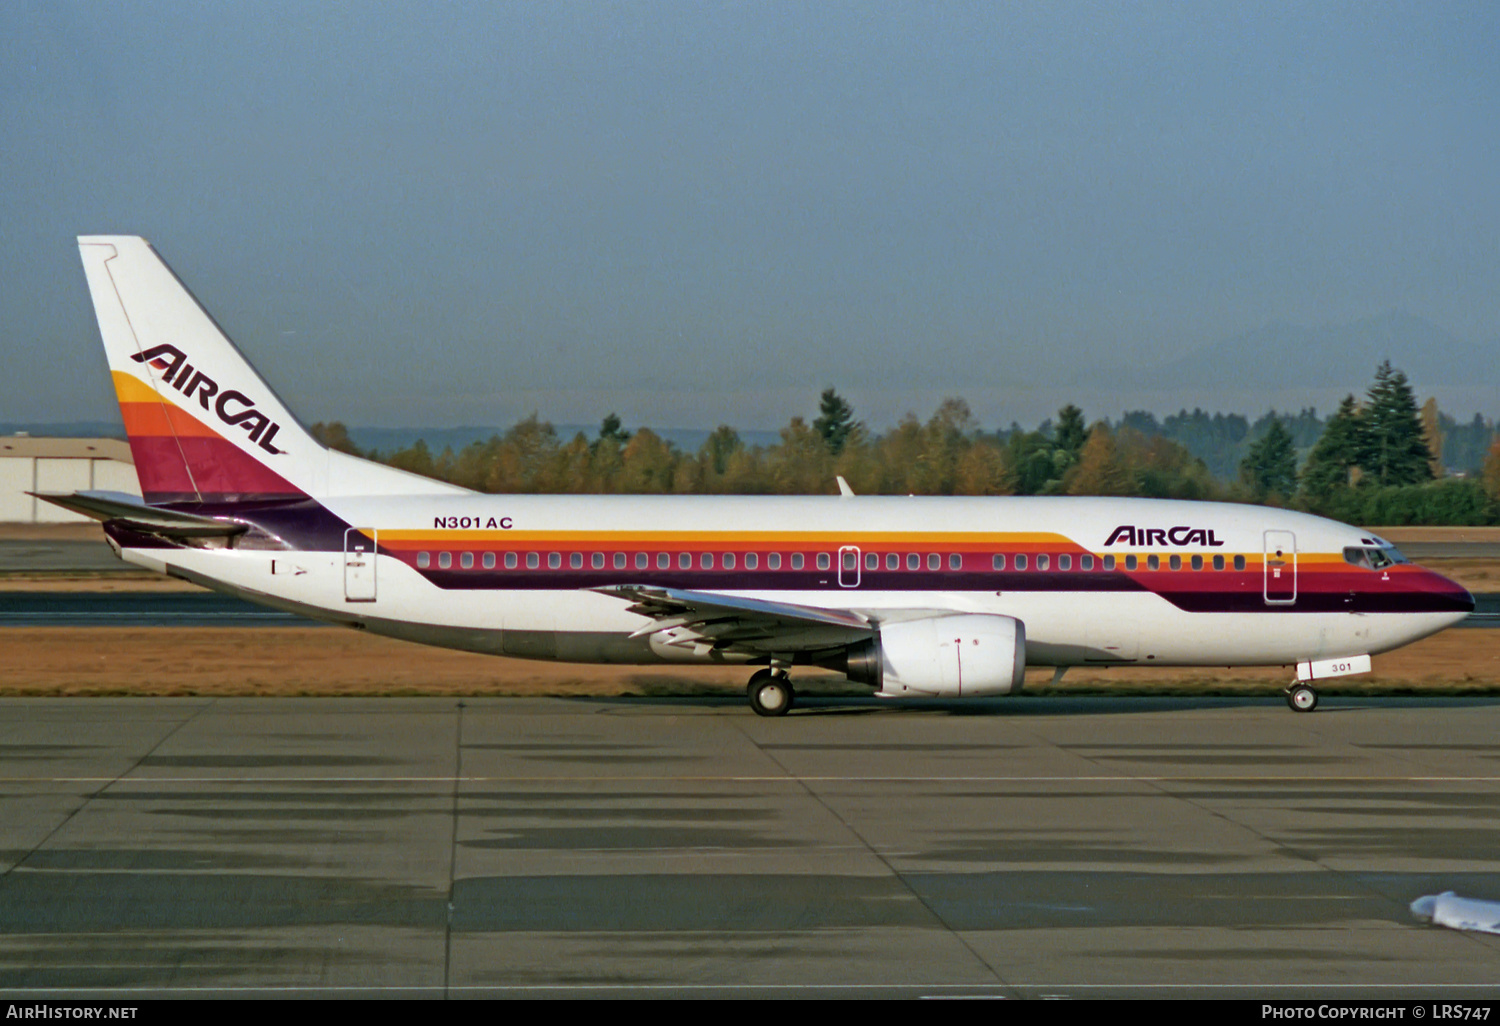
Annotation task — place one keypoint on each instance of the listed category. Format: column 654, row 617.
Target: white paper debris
column 1448, row 909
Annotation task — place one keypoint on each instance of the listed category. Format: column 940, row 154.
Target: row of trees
column 1373, row 461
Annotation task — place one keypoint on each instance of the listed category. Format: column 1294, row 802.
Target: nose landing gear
column 770, row 693
column 1302, row 697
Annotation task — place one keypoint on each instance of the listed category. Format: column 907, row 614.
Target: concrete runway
column 549, row 847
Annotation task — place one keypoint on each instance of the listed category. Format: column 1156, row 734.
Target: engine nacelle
column 960, row 655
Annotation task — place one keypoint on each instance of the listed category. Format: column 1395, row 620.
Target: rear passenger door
column 359, row 564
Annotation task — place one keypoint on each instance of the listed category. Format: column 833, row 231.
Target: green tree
column 610, row 430
column 1393, row 451
column 1028, row 454
column 1270, row 468
column 1070, row 433
column 1334, row 458
column 835, row 422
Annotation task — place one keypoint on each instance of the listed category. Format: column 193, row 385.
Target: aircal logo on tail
column 1149, row 536
column 234, row 408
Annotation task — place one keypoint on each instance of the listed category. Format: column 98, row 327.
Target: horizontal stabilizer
column 119, row 507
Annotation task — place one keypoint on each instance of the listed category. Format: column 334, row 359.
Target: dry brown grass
column 286, row 661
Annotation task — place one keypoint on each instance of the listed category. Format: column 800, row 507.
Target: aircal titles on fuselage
column 1149, row 537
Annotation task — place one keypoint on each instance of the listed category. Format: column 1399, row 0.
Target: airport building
column 59, row 465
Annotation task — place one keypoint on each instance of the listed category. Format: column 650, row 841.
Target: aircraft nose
column 1455, row 593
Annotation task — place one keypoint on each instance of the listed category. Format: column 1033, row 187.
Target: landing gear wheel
column 1302, row 698
column 770, row 693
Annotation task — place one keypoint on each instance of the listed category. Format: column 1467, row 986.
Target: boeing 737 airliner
column 911, row 596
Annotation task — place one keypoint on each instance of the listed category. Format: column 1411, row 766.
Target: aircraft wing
column 706, row 621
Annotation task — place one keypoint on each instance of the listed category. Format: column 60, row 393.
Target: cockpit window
column 1373, row 557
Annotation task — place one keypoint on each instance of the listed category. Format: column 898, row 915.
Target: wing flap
column 731, row 621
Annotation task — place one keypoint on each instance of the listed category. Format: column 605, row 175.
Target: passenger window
column 706, row 561
column 1153, row 562
column 510, row 561
column 1175, row 562
column 934, row 561
column 554, row 560
column 1065, row 562
column 423, row 561
column 1131, row 562
column 1085, row 562
column 489, row 561
column 1043, row 561
column 597, row 561
column 533, row 560
column 663, row 561
column 850, row 560
column 1239, row 562
column 955, row 561
column 685, row 561
column 642, row 561
column 773, row 561
column 466, row 560
column 1197, row 562
column 619, row 561
column 576, row 561
column 1020, row 561
column 823, row 560
column 796, row 561
column 445, row 560
column 872, row 561
column 1218, row 562
column 913, row 561
column 1109, row 562
column 729, row 561
column 892, row 561
column 997, row 562
column 752, row 560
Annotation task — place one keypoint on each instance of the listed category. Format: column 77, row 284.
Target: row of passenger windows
column 797, row 561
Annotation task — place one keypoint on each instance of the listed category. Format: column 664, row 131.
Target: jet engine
column 963, row 654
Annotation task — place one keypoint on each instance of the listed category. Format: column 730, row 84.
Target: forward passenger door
column 1280, row 568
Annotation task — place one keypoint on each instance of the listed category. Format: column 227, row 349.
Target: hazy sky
column 433, row 214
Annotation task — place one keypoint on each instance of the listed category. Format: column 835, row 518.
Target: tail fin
column 203, row 425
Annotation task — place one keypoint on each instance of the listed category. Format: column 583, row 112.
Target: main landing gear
column 770, row 692
column 1302, row 697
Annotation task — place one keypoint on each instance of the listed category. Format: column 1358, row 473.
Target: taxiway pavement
column 531, row 847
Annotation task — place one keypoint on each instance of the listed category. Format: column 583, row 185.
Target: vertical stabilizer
column 203, row 426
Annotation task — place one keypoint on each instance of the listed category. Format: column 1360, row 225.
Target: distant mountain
column 1334, row 356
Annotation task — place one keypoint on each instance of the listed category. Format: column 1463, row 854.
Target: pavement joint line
column 1162, row 786
column 882, row 859
column 416, row 987
column 106, row 783
column 458, row 766
column 1213, row 778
